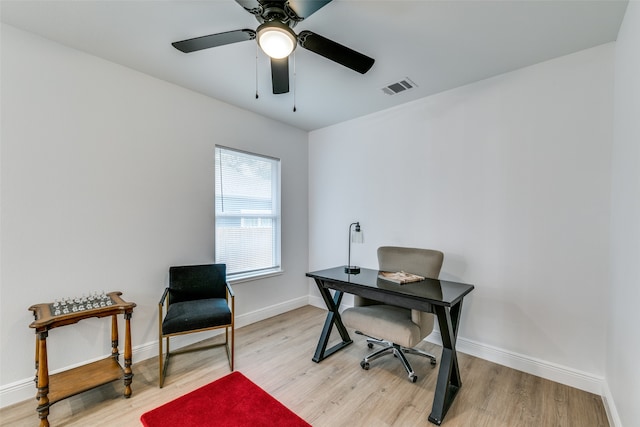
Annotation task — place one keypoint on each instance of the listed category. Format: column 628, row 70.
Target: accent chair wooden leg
column 160, row 373
column 233, row 343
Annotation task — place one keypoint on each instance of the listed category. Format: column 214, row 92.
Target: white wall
column 510, row 177
column 623, row 339
column 107, row 180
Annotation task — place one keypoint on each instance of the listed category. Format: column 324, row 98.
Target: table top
column 368, row 284
column 48, row 319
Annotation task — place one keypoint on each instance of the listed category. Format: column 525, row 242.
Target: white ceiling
column 439, row 45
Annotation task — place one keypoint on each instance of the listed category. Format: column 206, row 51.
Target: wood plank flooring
column 276, row 354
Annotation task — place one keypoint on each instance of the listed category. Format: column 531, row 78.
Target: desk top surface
column 434, row 291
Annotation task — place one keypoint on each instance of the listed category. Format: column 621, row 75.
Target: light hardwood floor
column 276, row 354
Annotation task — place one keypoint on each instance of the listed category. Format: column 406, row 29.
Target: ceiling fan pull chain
column 294, row 81
column 257, row 71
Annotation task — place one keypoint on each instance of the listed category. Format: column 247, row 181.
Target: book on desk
column 400, row 277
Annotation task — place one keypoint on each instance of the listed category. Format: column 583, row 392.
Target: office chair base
column 397, row 351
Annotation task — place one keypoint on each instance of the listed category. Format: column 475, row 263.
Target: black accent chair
column 198, row 298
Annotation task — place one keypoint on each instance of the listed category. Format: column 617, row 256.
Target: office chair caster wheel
column 364, row 365
column 433, row 362
column 370, row 346
column 413, row 378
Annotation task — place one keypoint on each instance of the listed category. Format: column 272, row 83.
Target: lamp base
column 352, row 269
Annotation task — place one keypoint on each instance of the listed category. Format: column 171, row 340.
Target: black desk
column 441, row 297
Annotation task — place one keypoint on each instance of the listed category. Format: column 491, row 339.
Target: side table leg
column 42, row 379
column 128, row 373
column 37, row 362
column 114, row 337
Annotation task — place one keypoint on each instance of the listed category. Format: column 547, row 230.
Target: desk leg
column 333, row 318
column 43, row 379
column 448, row 382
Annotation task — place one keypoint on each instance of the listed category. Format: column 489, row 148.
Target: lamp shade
column 355, row 236
column 276, row 39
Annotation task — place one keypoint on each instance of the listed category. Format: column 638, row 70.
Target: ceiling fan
column 277, row 39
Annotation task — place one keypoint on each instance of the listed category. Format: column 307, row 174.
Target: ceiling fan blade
column 214, row 40
column 251, row 6
column 335, row 51
column 280, row 75
column 305, row 8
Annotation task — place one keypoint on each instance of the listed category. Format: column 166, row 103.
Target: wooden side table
column 53, row 388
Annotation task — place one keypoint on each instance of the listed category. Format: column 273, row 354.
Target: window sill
column 240, row 278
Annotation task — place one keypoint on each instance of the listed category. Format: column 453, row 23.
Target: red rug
column 231, row 401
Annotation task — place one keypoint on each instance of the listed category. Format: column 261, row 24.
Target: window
column 247, row 196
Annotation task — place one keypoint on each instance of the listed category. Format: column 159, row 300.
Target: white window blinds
column 247, row 197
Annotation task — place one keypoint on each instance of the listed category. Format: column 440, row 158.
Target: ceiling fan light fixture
column 276, row 39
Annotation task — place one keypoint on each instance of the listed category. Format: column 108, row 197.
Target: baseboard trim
column 541, row 368
column 544, row 369
column 22, row 390
column 610, row 407
column 271, row 311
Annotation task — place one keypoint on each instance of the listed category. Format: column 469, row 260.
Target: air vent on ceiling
column 401, row 86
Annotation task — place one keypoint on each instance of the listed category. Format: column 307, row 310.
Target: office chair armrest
column 164, row 296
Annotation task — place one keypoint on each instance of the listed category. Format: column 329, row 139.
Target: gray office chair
column 400, row 329
column 198, row 298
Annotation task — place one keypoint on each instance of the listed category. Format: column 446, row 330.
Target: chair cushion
column 198, row 314
column 386, row 322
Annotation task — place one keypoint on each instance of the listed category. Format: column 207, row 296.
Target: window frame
column 276, row 183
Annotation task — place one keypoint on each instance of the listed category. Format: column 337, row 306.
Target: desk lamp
column 355, row 237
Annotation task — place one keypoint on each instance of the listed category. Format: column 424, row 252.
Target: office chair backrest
column 192, row 282
column 423, row 262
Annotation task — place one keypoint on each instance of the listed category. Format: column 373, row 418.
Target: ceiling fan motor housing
column 276, row 12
